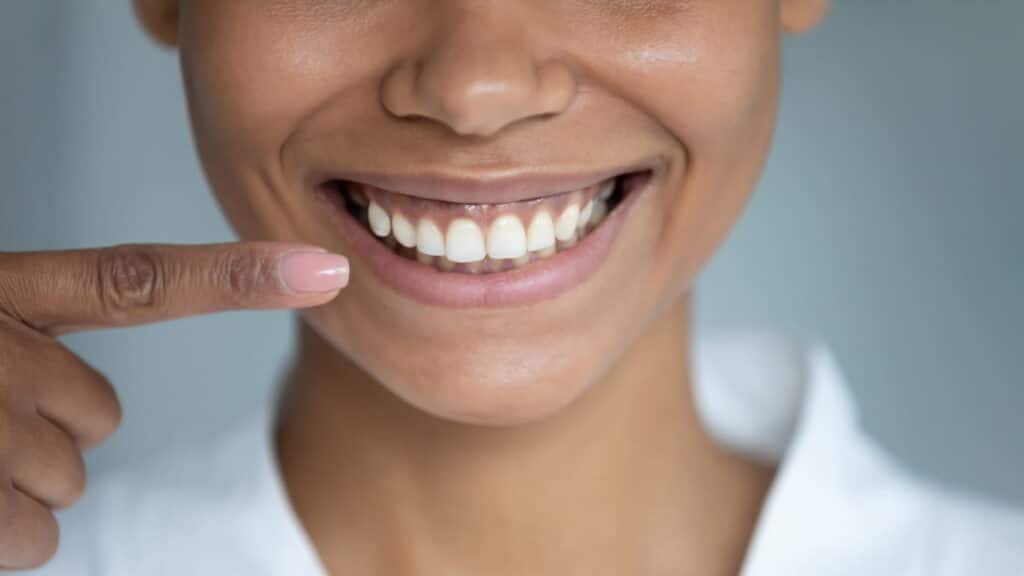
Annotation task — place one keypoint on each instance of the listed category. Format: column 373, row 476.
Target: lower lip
column 533, row 283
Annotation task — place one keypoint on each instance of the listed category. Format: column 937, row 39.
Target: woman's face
column 473, row 117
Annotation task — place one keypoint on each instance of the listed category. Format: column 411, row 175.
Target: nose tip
column 478, row 89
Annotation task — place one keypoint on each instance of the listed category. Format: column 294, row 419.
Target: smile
column 453, row 253
column 480, row 238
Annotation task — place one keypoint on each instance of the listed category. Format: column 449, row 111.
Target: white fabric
column 839, row 505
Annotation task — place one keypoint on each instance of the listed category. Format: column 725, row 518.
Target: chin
column 486, row 398
column 479, row 381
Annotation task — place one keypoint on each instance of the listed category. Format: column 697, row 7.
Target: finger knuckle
column 245, row 273
column 130, row 278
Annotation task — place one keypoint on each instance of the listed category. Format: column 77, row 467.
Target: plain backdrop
column 887, row 222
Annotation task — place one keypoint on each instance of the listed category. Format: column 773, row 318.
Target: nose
column 477, row 75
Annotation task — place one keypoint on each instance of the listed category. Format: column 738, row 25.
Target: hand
column 53, row 405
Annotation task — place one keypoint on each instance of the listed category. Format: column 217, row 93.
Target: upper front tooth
column 506, row 237
column 607, row 189
column 429, row 239
column 380, row 223
column 465, row 241
column 565, row 226
column 403, row 231
column 541, row 234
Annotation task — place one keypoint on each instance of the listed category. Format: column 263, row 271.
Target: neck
column 622, row 481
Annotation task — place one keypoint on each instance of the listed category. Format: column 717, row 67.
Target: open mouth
column 483, row 238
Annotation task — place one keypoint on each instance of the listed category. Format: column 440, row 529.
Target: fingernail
column 314, row 271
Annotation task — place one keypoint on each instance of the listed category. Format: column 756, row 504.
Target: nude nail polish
column 304, row 271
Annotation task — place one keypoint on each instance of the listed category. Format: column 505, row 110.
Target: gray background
column 886, row 222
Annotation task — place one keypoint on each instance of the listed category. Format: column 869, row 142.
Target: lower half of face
column 519, row 192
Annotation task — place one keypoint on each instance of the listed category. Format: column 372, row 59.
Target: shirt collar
column 839, row 505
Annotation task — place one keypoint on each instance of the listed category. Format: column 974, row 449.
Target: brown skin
column 52, row 404
column 281, row 90
column 560, row 438
column 423, row 440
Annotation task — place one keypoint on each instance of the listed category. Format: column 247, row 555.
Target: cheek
column 713, row 87
column 253, row 83
column 256, row 73
column 245, row 77
column 248, row 80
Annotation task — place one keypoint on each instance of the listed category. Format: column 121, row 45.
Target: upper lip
column 491, row 188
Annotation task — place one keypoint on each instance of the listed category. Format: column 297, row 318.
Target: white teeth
column 429, row 239
column 607, row 189
column 465, row 241
column 403, row 231
column 504, row 243
column 506, row 237
column 588, row 209
column 541, row 234
column 565, row 226
column 380, row 223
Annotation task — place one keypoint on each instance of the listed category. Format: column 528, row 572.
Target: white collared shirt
column 838, row 506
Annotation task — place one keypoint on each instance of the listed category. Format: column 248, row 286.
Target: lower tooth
column 521, row 261
column 424, row 258
column 549, row 251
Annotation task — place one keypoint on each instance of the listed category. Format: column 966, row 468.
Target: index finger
column 62, row 291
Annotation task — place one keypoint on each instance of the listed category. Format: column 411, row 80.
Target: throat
column 622, row 481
